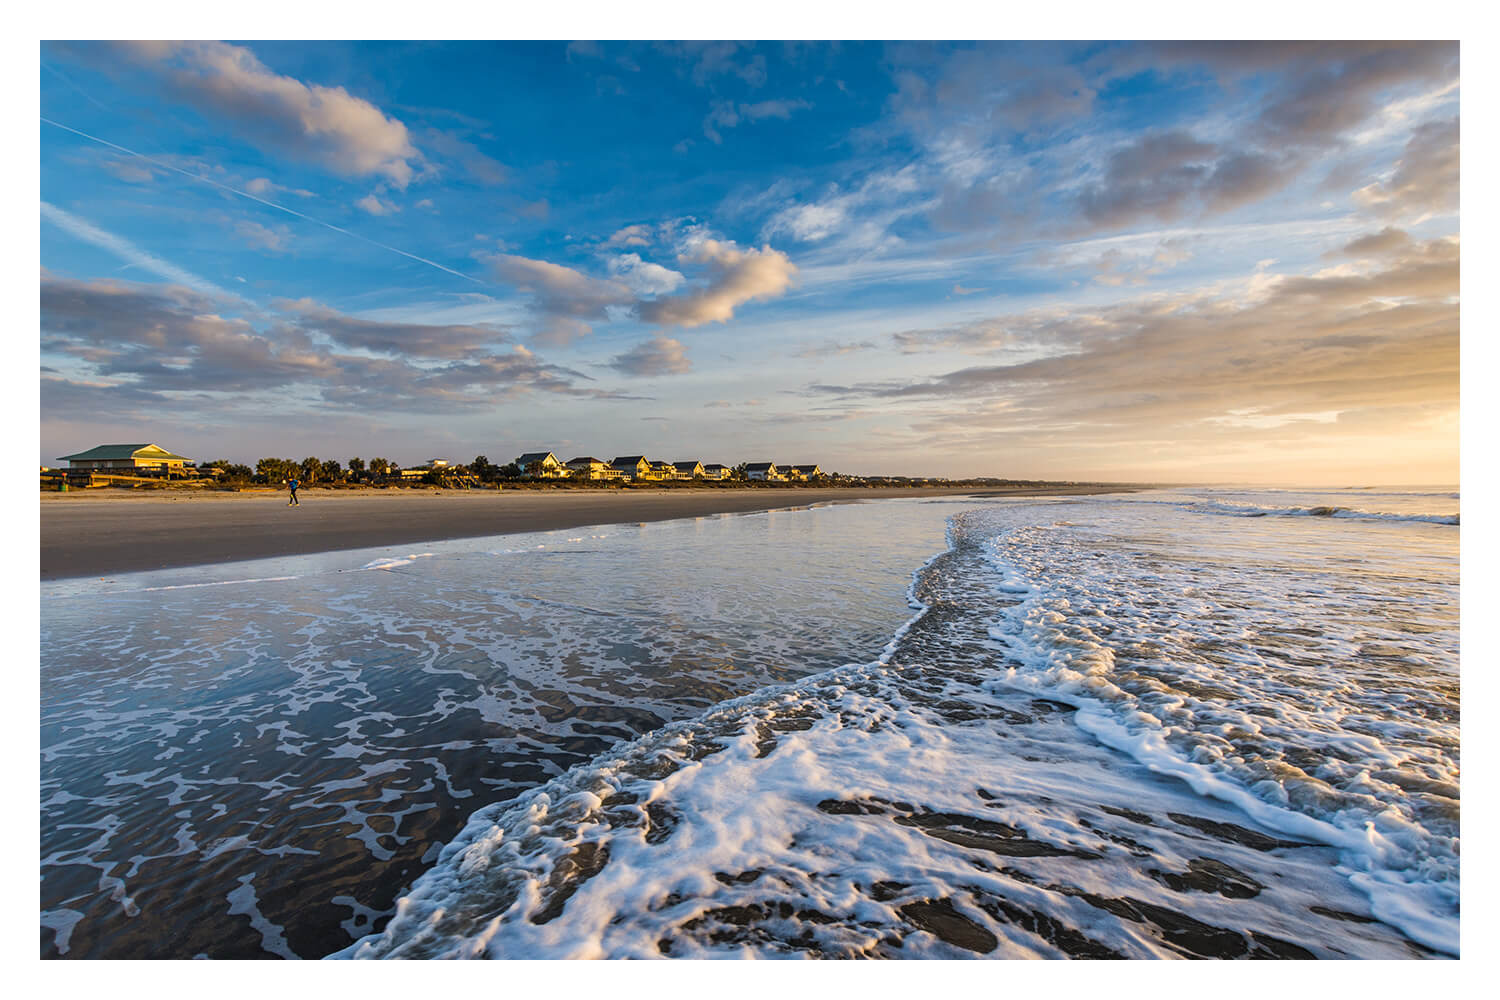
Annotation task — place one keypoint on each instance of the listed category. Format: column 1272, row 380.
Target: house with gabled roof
column 133, row 459
column 632, row 466
column 588, row 467
column 801, row 471
column 716, row 471
column 541, row 465
column 763, row 471
column 688, row 470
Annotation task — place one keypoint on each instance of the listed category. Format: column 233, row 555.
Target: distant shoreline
column 99, row 532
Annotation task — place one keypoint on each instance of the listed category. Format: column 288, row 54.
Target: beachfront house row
column 688, row 470
column 587, row 467
column 799, row 471
column 632, row 466
column 541, row 465
column 762, row 471
column 716, row 471
column 127, row 459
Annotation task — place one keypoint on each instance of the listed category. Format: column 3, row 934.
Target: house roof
column 535, row 456
column 805, row 465
column 629, row 461
column 104, row 452
column 687, row 466
column 759, row 466
column 715, row 465
column 582, row 459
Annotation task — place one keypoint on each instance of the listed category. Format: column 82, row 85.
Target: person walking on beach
column 292, row 485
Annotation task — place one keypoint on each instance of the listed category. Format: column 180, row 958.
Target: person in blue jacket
column 292, row 485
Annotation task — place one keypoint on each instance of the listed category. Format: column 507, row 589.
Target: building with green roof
column 126, row 458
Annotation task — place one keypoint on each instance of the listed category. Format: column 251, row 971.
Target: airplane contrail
column 133, row 255
column 269, row 204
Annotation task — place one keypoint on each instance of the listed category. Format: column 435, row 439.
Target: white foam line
column 500, row 814
column 391, row 562
column 1392, row 900
column 215, row 583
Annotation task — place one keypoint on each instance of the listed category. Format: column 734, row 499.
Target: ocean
column 1196, row 723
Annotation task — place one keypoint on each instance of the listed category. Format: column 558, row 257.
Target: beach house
column 762, row 471
column 127, row 459
column 687, row 470
column 632, row 466
column 716, row 471
column 587, row 467
column 541, row 465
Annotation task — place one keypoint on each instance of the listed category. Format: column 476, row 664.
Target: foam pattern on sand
column 915, row 806
column 254, row 759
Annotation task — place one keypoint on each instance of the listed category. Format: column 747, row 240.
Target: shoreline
column 92, row 534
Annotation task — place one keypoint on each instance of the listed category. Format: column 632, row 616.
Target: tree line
column 313, row 470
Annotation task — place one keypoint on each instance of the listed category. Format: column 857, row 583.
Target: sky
column 1125, row 261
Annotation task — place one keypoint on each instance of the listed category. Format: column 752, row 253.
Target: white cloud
column 326, row 125
column 643, row 277
column 738, row 276
column 264, row 187
column 373, row 204
column 262, row 237
column 630, row 236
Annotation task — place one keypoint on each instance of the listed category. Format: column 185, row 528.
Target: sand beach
column 118, row 531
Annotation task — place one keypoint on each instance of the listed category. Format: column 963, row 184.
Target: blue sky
column 1177, row 261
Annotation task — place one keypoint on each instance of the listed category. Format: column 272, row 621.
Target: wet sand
column 115, row 531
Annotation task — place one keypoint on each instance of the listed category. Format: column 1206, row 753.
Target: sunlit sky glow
column 1125, row 261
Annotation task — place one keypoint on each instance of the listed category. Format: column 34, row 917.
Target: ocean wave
column 1140, row 653
column 905, row 807
column 1319, row 510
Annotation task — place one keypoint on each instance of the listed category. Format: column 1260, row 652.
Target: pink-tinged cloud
column 658, row 356
column 1425, row 179
column 630, row 236
column 737, row 276
column 326, row 125
column 564, row 300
